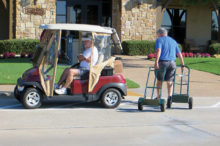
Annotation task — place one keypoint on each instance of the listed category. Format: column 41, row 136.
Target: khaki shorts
column 170, row 70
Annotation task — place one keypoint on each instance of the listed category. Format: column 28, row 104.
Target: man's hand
column 81, row 57
column 156, row 65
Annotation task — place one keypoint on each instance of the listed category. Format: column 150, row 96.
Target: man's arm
column 181, row 59
column 81, row 58
column 158, row 52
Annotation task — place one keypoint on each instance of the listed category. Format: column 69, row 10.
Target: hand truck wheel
column 190, row 103
column 140, row 106
column 162, row 108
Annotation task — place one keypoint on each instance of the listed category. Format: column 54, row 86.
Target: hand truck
column 181, row 79
column 153, row 102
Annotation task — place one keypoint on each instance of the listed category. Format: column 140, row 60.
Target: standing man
column 84, row 59
column 166, row 51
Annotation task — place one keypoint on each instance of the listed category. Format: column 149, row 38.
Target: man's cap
column 86, row 37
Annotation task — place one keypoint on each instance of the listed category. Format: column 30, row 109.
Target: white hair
column 162, row 31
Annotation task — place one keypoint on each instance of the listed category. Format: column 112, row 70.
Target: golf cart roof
column 78, row 27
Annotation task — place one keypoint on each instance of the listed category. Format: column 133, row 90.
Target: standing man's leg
column 159, row 84
column 170, row 88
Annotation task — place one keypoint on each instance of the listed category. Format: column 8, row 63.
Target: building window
column 214, row 26
column 61, row 11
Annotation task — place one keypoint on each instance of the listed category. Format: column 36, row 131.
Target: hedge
column 18, row 45
column 138, row 47
column 214, row 49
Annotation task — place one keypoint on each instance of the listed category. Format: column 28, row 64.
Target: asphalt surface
column 70, row 122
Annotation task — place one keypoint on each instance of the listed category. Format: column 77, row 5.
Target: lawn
column 211, row 65
column 13, row 68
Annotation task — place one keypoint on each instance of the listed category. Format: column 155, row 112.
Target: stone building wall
column 31, row 14
column 138, row 22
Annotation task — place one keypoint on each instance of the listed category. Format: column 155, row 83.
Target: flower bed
column 184, row 54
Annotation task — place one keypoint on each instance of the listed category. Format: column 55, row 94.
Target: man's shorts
column 170, row 70
column 83, row 71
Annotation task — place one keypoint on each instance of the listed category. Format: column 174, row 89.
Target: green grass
column 13, row 68
column 211, row 65
column 131, row 84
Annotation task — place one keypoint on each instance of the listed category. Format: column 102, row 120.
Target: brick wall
column 138, row 22
column 28, row 18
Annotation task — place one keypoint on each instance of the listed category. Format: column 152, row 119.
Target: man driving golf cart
column 84, row 67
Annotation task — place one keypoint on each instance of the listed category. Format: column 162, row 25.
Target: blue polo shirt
column 169, row 48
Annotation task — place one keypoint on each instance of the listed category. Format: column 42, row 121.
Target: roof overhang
column 78, row 27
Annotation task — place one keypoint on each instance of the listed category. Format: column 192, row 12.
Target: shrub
column 30, row 54
column 207, row 55
column 191, row 54
column 151, row 55
column 18, row 46
column 198, row 55
column 23, row 55
column 183, row 54
column 138, row 47
column 12, row 55
column 6, row 55
column 186, row 54
column 214, row 49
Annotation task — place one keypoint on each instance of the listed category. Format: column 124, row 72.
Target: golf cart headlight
column 20, row 88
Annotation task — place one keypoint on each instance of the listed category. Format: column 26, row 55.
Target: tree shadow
column 130, row 110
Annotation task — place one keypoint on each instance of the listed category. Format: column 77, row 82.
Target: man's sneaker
column 61, row 91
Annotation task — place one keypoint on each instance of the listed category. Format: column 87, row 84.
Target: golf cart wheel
column 17, row 96
column 32, row 98
column 162, row 108
column 190, row 103
column 169, row 102
column 140, row 106
column 111, row 98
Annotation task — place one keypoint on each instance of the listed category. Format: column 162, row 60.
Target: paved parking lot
column 68, row 122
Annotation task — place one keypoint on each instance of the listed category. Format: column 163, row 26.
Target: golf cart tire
column 190, row 103
column 17, row 96
column 140, row 106
column 32, row 98
column 162, row 108
column 169, row 102
column 111, row 98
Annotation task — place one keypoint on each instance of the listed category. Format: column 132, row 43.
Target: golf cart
column 102, row 83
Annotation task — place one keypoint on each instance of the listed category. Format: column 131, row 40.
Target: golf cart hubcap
column 33, row 98
column 111, row 98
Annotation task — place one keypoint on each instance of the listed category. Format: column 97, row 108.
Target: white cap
column 86, row 39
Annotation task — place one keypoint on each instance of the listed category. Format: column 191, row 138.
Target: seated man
column 84, row 59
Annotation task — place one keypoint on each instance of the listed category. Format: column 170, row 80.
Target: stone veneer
column 138, row 22
column 27, row 23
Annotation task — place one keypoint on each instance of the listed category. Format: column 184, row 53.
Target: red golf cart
column 102, row 84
